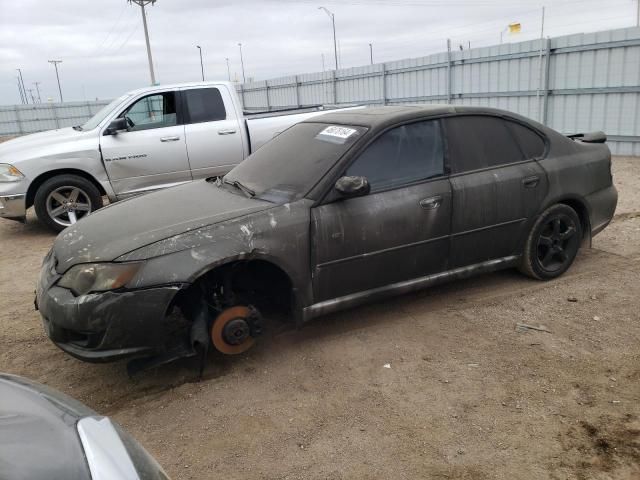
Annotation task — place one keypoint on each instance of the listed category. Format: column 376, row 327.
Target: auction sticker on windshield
column 336, row 134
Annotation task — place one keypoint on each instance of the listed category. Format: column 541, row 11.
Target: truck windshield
column 94, row 121
column 287, row 167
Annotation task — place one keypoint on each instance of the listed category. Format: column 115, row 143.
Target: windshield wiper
column 77, row 128
column 246, row 190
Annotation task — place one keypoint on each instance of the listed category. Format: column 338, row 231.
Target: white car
column 147, row 139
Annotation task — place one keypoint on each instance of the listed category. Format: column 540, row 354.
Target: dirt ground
column 437, row 385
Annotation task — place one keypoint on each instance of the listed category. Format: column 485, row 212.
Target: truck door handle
column 226, row 131
column 431, row 203
column 531, row 182
column 169, row 139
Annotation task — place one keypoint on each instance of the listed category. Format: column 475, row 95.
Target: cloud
column 102, row 45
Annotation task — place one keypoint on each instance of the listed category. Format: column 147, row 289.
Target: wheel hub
column 235, row 328
column 235, row 331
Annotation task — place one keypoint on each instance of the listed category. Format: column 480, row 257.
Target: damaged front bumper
column 107, row 326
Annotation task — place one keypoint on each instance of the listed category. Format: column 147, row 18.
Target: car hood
column 126, row 226
column 38, row 145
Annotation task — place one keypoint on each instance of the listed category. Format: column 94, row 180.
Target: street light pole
column 24, row 90
column 55, row 64
column 333, row 24
column 228, row 69
column 244, row 80
column 142, row 4
column 38, row 91
column 371, row 52
column 201, row 64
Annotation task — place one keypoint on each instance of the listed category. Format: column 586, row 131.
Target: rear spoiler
column 591, row 137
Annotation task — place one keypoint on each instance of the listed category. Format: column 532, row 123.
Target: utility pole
column 201, row 64
column 20, row 90
column 323, row 69
column 242, row 64
column 30, row 90
column 228, row 69
column 38, row 91
column 540, row 68
column 24, row 90
column 55, row 64
column 371, row 52
column 333, row 24
column 142, row 4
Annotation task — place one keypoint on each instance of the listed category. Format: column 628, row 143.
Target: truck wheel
column 63, row 200
column 553, row 243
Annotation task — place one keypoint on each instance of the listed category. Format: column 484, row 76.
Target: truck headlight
column 98, row 277
column 9, row 173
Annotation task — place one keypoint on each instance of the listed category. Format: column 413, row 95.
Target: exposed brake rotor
column 235, row 328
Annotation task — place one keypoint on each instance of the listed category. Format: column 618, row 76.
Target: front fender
column 279, row 236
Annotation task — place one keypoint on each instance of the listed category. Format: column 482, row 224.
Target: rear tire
column 553, row 243
column 63, row 200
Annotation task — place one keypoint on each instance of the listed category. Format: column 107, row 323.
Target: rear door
column 497, row 187
column 153, row 153
column 213, row 131
column 400, row 230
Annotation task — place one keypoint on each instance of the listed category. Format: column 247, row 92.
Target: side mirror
column 118, row 125
column 352, row 186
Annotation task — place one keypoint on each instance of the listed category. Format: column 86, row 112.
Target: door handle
column 431, row 203
column 531, row 182
column 170, row 139
column 226, row 131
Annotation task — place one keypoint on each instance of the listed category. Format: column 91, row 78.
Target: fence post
column 448, row 70
column 384, row 83
column 297, row 92
column 545, row 98
column 266, row 89
column 335, row 87
column 18, row 121
column 55, row 115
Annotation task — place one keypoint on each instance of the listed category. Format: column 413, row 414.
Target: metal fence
column 22, row 119
column 574, row 83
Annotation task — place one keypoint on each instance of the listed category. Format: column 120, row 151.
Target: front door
column 400, row 230
column 214, row 136
column 497, row 186
column 152, row 153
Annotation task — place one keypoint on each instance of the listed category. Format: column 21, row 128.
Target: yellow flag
column 514, row 27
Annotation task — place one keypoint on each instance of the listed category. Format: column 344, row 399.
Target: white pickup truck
column 147, row 139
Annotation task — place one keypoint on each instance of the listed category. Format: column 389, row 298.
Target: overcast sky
column 101, row 42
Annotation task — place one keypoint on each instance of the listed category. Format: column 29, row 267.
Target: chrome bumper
column 13, row 206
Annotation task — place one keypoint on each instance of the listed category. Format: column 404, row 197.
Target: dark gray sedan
column 339, row 210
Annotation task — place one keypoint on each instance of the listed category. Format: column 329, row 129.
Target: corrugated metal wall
column 579, row 83
column 22, row 119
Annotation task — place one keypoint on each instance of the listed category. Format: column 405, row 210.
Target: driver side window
column 153, row 111
column 401, row 156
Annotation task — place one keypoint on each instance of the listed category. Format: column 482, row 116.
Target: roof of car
column 374, row 117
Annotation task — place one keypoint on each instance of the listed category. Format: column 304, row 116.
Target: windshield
column 287, row 167
column 94, row 121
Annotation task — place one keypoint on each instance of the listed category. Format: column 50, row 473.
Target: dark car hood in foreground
column 38, row 437
column 123, row 227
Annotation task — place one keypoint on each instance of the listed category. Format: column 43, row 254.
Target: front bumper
column 107, row 326
column 13, row 206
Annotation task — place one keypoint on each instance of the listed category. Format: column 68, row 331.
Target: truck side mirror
column 352, row 186
column 117, row 125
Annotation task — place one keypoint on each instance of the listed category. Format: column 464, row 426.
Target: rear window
column 530, row 142
column 478, row 141
column 204, row 105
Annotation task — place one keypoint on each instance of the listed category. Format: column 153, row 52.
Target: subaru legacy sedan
column 342, row 209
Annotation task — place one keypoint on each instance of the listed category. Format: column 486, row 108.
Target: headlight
column 98, row 277
column 9, row 173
